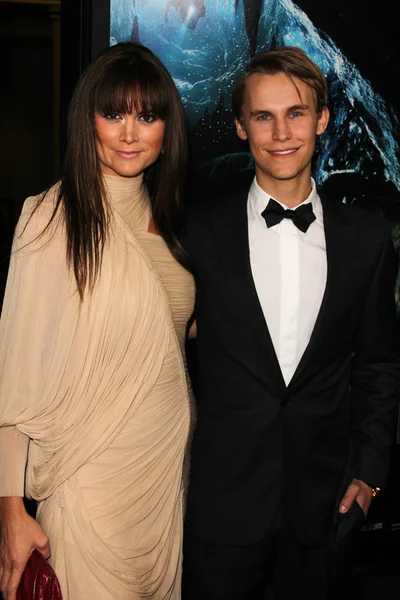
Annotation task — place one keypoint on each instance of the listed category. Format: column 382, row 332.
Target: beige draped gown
column 94, row 399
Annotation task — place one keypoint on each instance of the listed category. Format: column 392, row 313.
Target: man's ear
column 240, row 130
column 323, row 119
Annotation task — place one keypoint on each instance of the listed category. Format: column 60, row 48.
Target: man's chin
column 288, row 174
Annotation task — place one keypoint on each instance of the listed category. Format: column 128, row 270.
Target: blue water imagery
column 208, row 58
column 206, row 44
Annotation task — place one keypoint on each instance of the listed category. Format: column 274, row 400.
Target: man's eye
column 296, row 113
column 263, row 118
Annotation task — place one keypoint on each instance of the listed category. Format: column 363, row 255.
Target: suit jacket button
column 286, row 400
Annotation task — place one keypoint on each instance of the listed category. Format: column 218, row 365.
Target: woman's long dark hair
column 122, row 78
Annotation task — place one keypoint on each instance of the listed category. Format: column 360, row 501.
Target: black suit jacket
column 260, row 445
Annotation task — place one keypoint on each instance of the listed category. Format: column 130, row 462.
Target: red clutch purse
column 38, row 581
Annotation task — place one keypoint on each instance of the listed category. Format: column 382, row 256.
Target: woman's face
column 128, row 143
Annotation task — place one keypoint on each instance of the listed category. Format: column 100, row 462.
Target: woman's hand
column 20, row 535
column 192, row 333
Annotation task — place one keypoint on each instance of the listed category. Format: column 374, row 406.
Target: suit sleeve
column 376, row 375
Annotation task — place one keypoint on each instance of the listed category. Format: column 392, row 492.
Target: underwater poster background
column 206, row 44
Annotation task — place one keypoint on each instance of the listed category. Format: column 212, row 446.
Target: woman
column 94, row 396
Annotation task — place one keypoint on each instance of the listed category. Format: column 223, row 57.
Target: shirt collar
column 258, row 200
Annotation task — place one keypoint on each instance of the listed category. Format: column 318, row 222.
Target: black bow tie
column 302, row 216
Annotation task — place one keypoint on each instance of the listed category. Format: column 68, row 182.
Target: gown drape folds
column 100, row 389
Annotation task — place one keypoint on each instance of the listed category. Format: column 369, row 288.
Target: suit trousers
column 214, row 571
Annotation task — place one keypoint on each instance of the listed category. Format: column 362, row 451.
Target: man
column 297, row 355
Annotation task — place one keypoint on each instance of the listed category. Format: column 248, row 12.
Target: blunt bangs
column 131, row 87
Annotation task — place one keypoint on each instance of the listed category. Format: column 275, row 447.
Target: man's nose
column 281, row 129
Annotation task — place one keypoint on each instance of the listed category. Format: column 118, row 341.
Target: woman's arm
column 13, row 458
column 20, row 534
column 34, row 273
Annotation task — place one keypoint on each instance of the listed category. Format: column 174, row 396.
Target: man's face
column 280, row 123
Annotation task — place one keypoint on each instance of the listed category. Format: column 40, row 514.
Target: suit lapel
column 336, row 261
column 230, row 230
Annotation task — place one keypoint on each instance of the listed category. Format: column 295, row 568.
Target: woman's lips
column 133, row 154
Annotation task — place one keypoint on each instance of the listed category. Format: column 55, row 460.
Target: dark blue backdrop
column 206, row 44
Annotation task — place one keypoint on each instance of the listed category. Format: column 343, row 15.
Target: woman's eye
column 147, row 118
column 112, row 116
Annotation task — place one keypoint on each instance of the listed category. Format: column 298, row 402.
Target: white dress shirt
column 289, row 271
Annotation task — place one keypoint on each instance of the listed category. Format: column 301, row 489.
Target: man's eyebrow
column 258, row 112
column 299, row 107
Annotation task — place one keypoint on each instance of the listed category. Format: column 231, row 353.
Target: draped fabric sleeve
column 27, row 297
column 13, row 458
column 37, row 290
column 73, row 373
